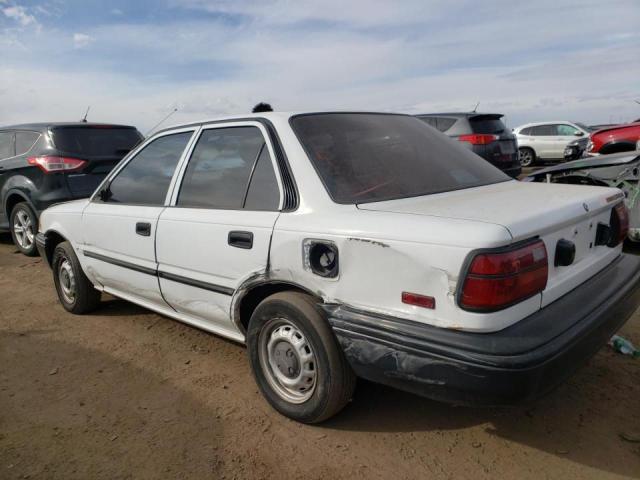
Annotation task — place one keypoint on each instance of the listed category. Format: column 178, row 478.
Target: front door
column 120, row 223
column 217, row 231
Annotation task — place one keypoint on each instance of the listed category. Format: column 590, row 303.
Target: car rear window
column 487, row 124
column 364, row 157
column 96, row 141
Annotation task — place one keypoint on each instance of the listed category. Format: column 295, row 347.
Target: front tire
column 24, row 227
column 296, row 360
column 76, row 293
column 527, row 157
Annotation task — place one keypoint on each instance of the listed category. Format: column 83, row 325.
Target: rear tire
column 24, row 227
column 296, row 360
column 76, row 293
column 527, row 156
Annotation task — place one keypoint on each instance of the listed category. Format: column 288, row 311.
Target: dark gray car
column 483, row 133
column 46, row 163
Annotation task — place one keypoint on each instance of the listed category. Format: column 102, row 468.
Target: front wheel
column 527, row 157
column 76, row 293
column 24, row 227
column 296, row 360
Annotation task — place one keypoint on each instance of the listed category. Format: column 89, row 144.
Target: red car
column 620, row 138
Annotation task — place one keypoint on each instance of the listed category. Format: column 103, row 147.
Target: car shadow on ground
column 566, row 423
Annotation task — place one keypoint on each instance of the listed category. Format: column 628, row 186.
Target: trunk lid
column 549, row 211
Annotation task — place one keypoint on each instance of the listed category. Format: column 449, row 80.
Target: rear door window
column 96, row 141
column 145, row 179
column 24, row 141
column 230, row 168
column 543, row 130
column 6, row 145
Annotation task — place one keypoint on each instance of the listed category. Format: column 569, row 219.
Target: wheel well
column 255, row 295
column 12, row 201
column 53, row 240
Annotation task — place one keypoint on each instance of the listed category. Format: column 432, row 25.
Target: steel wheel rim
column 23, row 229
column 67, row 281
column 525, row 158
column 287, row 360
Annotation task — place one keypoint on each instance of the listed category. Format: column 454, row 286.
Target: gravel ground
column 126, row 393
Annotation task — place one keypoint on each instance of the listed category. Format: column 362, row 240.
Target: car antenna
column 475, row 109
column 84, row 119
column 161, row 121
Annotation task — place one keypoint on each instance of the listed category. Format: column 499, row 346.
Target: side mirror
column 579, row 134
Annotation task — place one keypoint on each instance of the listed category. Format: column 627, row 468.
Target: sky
column 134, row 62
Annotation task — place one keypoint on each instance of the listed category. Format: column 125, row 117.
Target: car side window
column 223, row 163
column 445, row 123
column 544, row 130
column 566, row 130
column 146, row 178
column 526, row 131
column 24, row 141
column 263, row 193
column 6, row 145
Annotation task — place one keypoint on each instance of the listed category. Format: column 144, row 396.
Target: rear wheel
column 24, row 227
column 75, row 291
column 527, row 157
column 296, row 360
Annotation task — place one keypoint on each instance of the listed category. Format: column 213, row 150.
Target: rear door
column 217, row 231
column 544, row 140
column 120, row 223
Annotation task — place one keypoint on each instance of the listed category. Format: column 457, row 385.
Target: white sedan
column 338, row 245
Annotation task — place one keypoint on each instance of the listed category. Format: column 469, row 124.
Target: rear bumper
column 519, row 363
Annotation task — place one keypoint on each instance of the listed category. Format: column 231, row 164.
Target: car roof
column 41, row 126
column 268, row 116
column 458, row 114
column 550, row 122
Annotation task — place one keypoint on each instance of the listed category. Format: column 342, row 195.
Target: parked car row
column 46, row 163
column 344, row 245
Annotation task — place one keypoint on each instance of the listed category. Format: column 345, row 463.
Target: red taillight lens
column 497, row 280
column 50, row 164
column 619, row 224
column 478, row 138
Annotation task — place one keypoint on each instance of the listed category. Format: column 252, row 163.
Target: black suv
column 46, row 163
column 484, row 133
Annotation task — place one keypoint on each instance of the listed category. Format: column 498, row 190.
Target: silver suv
column 546, row 140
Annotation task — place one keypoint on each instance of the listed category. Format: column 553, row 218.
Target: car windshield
column 366, row 157
column 96, row 140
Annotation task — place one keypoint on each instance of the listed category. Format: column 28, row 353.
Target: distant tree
column 262, row 107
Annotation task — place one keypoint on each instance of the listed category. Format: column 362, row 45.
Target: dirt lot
column 126, row 393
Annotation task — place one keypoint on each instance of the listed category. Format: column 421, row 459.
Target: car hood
column 612, row 160
column 524, row 209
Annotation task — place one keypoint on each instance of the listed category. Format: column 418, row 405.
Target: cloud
column 117, row 11
column 20, row 15
column 525, row 59
column 82, row 40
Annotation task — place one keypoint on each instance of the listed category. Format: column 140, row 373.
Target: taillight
column 498, row 280
column 619, row 224
column 50, row 164
column 478, row 138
